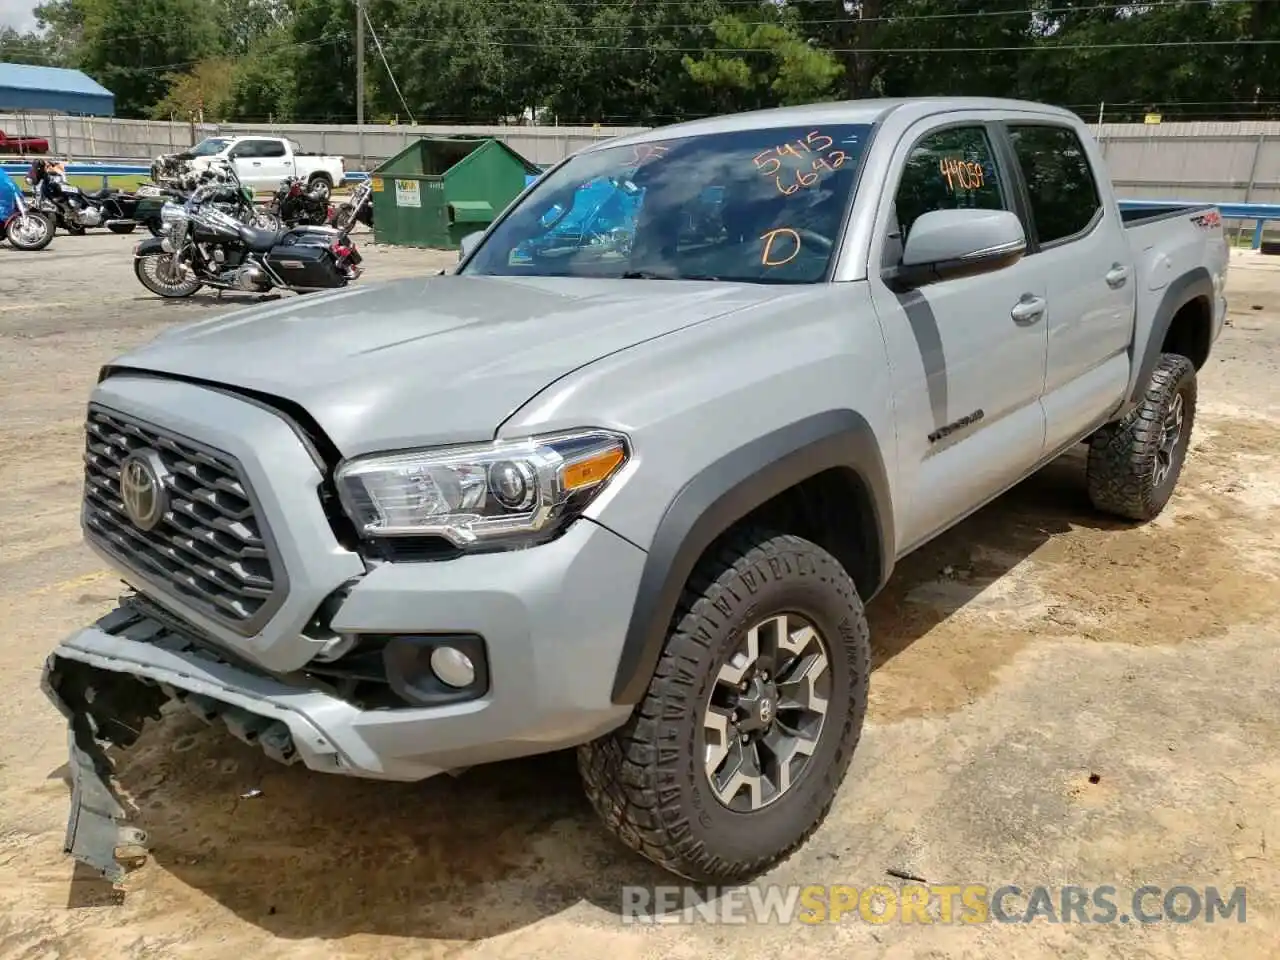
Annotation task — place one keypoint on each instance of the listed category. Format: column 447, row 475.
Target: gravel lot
column 1059, row 699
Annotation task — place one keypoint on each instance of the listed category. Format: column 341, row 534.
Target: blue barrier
column 106, row 170
column 1260, row 213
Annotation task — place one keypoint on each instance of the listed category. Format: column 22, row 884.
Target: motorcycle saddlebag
column 306, row 265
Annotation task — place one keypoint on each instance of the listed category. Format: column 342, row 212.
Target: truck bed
column 1136, row 213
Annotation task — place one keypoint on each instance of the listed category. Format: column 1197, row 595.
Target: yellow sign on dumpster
column 376, row 184
column 1152, row 118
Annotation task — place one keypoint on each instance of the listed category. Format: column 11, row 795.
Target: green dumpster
column 439, row 189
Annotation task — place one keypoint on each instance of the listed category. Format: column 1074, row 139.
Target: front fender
column 725, row 492
column 148, row 247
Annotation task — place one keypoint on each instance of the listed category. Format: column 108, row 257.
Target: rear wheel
column 29, row 231
column 1135, row 463
column 734, row 755
column 158, row 274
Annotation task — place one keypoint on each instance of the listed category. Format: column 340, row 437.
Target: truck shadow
column 302, row 855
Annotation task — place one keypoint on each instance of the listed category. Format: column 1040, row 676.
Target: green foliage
column 16, row 47
column 612, row 62
column 778, row 66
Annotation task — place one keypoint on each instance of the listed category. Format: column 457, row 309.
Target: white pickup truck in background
column 261, row 163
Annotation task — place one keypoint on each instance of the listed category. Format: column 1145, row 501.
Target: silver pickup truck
column 624, row 481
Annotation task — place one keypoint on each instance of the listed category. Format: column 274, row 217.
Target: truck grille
column 210, row 549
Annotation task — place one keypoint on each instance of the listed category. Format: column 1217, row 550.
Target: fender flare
column 725, row 492
column 1190, row 286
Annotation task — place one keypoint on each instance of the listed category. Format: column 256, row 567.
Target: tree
column 203, row 94
column 769, row 63
column 16, row 47
column 130, row 46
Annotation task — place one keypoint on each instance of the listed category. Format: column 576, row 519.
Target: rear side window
column 1063, row 194
column 948, row 170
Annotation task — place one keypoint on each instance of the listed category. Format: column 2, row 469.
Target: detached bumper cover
column 96, row 717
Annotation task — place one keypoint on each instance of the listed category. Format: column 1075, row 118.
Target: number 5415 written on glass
column 814, row 151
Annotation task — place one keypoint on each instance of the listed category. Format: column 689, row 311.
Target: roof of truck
column 838, row 111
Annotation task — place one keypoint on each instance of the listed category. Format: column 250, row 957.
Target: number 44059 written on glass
column 812, row 150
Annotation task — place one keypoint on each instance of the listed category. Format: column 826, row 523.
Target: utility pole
column 360, row 77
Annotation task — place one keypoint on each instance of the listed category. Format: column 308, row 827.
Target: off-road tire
column 1121, row 474
column 646, row 779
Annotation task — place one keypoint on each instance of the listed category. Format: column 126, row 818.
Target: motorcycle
column 295, row 206
column 24, row 227
column 359, row 209
column 74, row 210
column 202, row 245
column 229, row 194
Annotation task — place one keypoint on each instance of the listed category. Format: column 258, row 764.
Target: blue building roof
column 53, row 89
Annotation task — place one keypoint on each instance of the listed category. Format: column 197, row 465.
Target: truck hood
column 425, row 362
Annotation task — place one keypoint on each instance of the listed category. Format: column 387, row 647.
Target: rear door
column 1080, row 242
column 968, row 375
column 277, row 163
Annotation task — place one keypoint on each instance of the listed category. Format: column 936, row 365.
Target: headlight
column 481, row 492
column 172, row 213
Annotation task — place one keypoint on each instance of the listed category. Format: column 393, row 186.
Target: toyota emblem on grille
column 141, row 490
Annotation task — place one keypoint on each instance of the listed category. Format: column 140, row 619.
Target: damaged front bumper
column 97, row 717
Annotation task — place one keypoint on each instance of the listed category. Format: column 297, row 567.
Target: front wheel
column 733, row 756
column 158, row 274
column 116, row 227
column 1135, row 463
column 29, row 231
column 343, row 218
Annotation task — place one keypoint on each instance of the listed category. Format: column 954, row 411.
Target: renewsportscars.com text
column 933, row 903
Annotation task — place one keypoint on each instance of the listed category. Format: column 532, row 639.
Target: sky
column 17, row 13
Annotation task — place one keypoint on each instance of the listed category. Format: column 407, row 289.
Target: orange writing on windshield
column 644, row 152
column 770, row 258
column 962, row 174
column 812, row 156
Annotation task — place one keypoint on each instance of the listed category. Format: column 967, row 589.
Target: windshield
column 209, row 146
column 758, row 206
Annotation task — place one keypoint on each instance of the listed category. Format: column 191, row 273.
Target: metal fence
column 1228, row 161
column 1211, row 161
column 89, row 137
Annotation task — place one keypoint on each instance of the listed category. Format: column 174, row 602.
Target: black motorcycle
column 295, row 206
column 74, row 210
column 201, row 245
column 359, row 209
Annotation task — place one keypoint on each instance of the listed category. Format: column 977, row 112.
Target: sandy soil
column 1059, row 699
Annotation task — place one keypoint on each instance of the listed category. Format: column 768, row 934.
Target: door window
column 244, row 150
column 1063, row 194
column 948, row 170
column 270, row 148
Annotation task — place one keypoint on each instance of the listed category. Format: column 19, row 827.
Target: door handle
column 1117, row 276
column 1028, row 310
column 257, row 163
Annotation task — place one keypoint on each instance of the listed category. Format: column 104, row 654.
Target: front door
column 970, row 351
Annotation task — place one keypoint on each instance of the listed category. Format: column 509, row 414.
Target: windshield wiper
column 654, row 275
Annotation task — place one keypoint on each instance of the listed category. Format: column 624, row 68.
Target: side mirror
column 469, row 243
column 946, row 244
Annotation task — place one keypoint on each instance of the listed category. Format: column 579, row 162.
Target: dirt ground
column 1059, row 699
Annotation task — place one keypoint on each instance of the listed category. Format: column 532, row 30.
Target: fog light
column 453, row 666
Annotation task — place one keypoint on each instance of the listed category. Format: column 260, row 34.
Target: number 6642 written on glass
column 814, row 151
